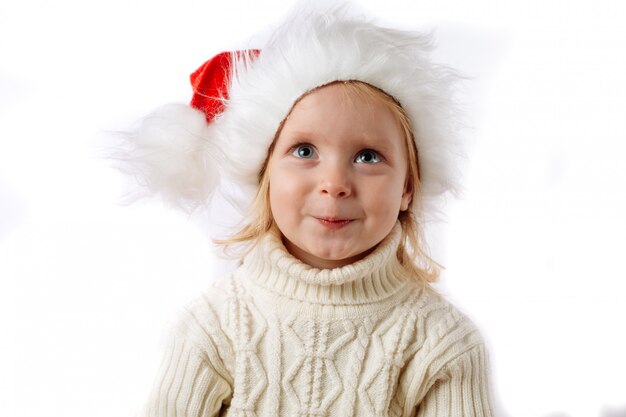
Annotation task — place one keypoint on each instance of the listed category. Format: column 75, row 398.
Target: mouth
column 333, row 223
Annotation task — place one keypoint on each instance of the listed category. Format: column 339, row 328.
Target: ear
column 407, row 195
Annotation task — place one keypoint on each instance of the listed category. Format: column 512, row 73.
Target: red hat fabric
column 210, row 82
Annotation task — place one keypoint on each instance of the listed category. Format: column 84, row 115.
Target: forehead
column 335, row 111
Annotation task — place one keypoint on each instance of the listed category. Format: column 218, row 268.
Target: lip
column 333, row 223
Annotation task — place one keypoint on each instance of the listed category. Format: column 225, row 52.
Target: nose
column 335, row 181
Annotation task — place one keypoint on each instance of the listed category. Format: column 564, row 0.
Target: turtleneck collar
column 376, row 277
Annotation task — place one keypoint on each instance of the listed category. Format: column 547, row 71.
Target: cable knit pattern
column 281, row 338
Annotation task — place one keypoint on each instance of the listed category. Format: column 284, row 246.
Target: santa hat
column 183, row 152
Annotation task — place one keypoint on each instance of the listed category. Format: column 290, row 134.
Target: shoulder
column 450, row 346
column 445, row 329
column 205, row 309
column 202, row 324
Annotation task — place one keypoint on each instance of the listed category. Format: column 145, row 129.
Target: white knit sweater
column 280, row 338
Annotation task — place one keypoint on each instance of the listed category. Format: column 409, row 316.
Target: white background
column 534, row 251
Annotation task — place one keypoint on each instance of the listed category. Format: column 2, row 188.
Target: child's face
column 337, row 177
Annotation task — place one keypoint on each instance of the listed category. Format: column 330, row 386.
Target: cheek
column 285, row 196
column 384, row 196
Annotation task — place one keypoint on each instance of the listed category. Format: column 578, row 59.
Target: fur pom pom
column 170, row 155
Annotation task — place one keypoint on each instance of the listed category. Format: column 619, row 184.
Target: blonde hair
column 412, row 252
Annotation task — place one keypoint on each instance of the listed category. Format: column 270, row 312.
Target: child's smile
column 337, row 177
column 333, row 223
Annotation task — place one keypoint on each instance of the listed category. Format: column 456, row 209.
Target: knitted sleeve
column 192, row 380
column 461, row 388
column 187, row 385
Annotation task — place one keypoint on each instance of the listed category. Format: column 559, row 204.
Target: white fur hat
column 183, row 154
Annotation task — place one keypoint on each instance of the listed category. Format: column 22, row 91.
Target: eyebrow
column 381, row 143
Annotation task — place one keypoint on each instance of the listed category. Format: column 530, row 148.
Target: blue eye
column 303, row 151
column 368, row 156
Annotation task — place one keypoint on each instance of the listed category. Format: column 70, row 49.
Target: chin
column 330, row 253
column 347, row 257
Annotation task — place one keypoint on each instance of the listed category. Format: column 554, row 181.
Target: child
column 343, row 130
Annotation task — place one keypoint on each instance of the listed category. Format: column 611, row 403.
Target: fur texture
column 311, row 49
column 170, row 154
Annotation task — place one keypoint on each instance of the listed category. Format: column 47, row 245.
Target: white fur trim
column 313, row 49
